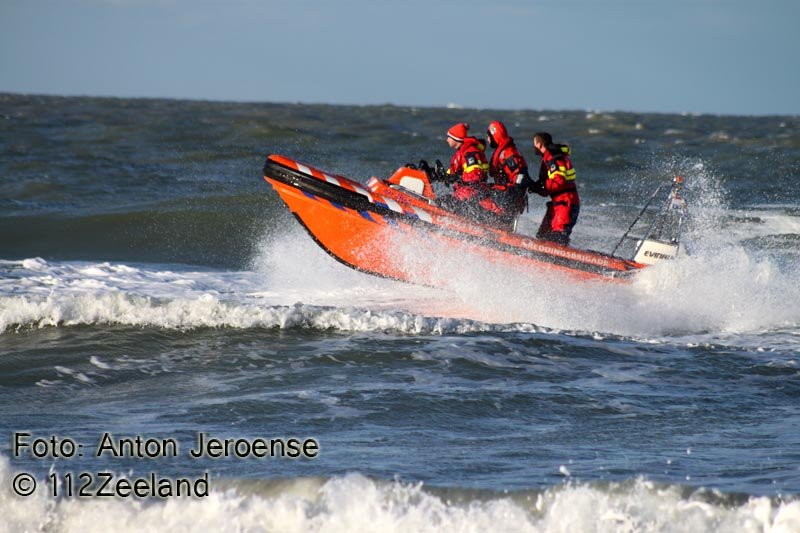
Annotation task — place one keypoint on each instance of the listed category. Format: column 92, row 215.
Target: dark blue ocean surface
column 152, row 285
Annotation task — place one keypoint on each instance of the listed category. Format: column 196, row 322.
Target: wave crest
column 209, row 311
column 354, row 503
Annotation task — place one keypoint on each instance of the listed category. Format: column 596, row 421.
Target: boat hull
column 383, row 236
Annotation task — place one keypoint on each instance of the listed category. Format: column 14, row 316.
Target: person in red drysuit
column 557, row 180
column 468, row 173
column 509, row 170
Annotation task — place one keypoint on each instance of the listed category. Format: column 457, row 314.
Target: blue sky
column 738, row 57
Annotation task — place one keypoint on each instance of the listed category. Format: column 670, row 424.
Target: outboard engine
column 661, row 241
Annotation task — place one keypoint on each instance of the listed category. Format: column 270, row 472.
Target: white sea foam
column 720, row 289
column 354, row 503
column 117, row 307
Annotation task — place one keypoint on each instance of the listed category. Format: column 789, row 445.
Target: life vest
column 507, row 163
column 559, row 164
column 469, row 162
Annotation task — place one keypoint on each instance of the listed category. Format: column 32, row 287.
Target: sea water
column 153, row 288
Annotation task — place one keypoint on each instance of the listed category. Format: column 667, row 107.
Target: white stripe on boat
column 331, row 179
column 394, row 206
column 362, row 191
column 422, row 214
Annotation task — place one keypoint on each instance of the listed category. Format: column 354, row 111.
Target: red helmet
column 497, row 133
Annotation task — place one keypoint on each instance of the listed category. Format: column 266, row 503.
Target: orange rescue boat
column 361, row 225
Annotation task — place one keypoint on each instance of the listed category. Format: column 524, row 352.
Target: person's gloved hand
column 524, row 181
column 538, row 187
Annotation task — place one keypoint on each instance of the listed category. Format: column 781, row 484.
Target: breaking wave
column 353, row 503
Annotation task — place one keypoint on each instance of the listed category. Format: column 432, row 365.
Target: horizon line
column 447, row 106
